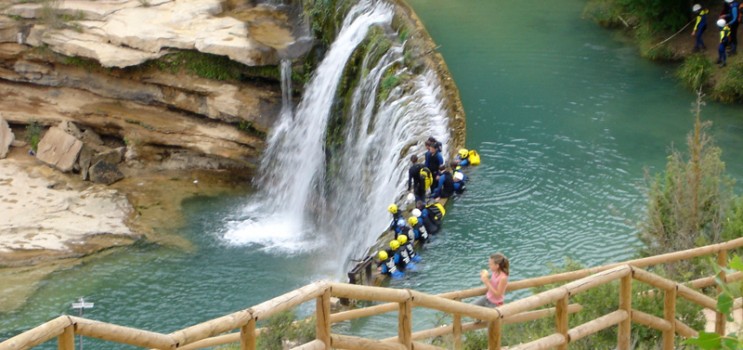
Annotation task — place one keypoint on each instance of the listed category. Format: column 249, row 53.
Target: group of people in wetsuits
column 727, row 22
column 426, row 188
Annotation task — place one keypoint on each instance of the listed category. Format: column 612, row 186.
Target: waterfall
column 302, row 205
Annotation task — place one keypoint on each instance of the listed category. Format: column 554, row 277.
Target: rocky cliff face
column 133, row 73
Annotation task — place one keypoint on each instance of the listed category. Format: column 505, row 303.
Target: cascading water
column 310, row 196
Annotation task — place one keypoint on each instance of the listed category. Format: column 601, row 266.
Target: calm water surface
column 565, row 117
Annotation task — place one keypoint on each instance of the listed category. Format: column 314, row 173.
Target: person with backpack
column 435, row 213
column 731, row 16
column 434, row 160
column 423, row 215
column 724, row 41
column 462, row 158
column 445, row 188
column 415, row 184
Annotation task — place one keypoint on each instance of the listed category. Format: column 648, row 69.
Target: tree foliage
column 690, row 200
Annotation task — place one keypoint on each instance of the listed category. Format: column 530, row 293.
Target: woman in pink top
column 495, row 282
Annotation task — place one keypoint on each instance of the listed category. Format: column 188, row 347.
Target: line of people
column 727, row 22
column 427, row 189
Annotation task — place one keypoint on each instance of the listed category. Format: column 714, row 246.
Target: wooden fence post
column 457, row 331
column 247, row 336
column 722, row 261
column 494, row 334
column 322, row 324
column 561, row 320
column 66, row 340
column 625, row 303
column 404, row 324
column 669, row 313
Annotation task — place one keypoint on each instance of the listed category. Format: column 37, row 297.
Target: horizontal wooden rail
column 454, row 307
column 548, row 342
column 519, row 318
column 313, row 345
column 37, row 335
column 352, row 291
column 651, row 321
column 121, row 334
column 593, row 326
column 357, row 343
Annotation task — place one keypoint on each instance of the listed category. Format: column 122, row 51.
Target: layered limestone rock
column 6, row 138
column 128, row 33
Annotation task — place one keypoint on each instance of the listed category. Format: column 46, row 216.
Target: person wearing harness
column 700, row 25
column 732, row 17
column 495, row 282
column 446, row 184
column 407, row 245
column 724, row 41
column 387, row 266
column 398, row 222
column 417, row 231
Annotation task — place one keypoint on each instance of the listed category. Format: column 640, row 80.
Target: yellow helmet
column 463, row 152
column 382, row 255
column 402, row 239
column 412, row 221
column 394, row 244
column 392, row 208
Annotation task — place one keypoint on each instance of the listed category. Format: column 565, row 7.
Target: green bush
column 687, row 203
column 695, row 71
column 281, row 327
column 33, row 134
column 730, row 87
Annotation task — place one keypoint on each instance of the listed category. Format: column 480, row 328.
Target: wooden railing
column 212, row 333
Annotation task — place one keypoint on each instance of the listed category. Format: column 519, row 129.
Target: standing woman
column 496, row 282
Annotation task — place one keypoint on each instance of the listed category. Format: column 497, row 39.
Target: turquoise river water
column 566, row 117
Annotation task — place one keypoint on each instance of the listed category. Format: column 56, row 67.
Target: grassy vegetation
column 281, row 328
column 33, row 134
column 695, row 72
column 729, row 88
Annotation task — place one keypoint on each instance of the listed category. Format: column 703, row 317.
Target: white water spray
column 301, row 207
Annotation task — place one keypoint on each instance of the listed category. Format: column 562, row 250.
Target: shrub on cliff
column 689, row 203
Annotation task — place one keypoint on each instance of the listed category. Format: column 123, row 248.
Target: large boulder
column 59, row 149
column 6, row 138
column 104, row 172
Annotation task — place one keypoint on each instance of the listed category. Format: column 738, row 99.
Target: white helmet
column 696, row 7
column 416, row 212
column 729, row 1
column 721, row 22
column 459, row 176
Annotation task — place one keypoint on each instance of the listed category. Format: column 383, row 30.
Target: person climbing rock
column 398, row 222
